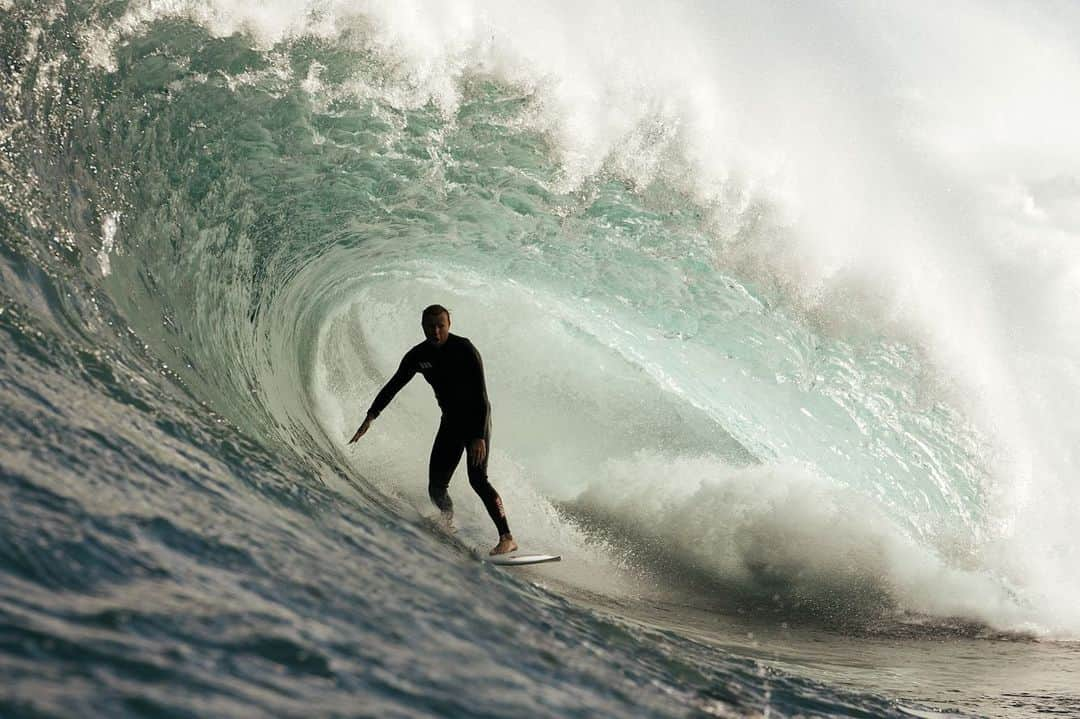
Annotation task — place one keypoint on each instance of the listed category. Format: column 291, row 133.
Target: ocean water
column 779, row 312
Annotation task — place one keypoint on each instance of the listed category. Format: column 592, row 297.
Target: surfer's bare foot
column 446, row 521
column 506, row 544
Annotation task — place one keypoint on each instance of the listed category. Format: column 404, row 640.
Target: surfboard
column 513, row 560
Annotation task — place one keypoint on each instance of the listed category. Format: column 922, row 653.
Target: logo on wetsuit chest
column 425, row 365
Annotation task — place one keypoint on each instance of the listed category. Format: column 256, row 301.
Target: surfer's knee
column 480, row 484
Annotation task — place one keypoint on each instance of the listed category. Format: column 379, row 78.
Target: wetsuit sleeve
column 405, row 372
column 479, row 408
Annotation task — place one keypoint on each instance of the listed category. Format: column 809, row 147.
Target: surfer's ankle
column 506, row 544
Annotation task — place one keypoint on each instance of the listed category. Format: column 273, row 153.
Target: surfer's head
column 436, row 323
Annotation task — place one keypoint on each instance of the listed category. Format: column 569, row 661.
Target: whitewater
column 778, row 307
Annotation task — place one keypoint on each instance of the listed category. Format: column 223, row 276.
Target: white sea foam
column 781, row 528
column 108, row 242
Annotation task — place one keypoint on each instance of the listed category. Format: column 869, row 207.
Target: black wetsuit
column 456, row 373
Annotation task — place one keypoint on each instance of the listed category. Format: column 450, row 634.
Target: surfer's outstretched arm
column 405, row 372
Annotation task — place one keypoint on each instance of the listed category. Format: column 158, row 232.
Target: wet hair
column 434, row 311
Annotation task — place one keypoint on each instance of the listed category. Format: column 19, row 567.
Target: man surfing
column 452, row 366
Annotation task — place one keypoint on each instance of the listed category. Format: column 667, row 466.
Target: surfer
column 453, row 368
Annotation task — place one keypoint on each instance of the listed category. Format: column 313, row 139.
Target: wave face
column 768, row 313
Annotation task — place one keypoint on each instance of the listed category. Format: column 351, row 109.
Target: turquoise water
column 736, row 407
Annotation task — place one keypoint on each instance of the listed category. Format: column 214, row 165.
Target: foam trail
column 785, row 532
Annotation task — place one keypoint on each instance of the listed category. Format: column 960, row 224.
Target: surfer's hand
column 477, row 452
column 360, row 432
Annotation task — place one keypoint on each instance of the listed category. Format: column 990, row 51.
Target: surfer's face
column 436, row 328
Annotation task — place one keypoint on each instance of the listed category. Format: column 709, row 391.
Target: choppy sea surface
column 779, row 312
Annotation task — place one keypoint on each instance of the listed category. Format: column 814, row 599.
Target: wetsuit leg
column 478, row 480
column 445, row 455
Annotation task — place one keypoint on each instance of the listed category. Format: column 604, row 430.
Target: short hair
column 434, row 311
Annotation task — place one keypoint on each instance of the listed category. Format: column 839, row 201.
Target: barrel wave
column 753, row 356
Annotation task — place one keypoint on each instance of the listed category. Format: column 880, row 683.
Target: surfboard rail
column 517, row 559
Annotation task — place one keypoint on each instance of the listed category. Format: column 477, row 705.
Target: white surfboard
column 519, row 559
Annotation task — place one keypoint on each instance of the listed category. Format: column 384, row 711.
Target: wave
column 787, row 317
